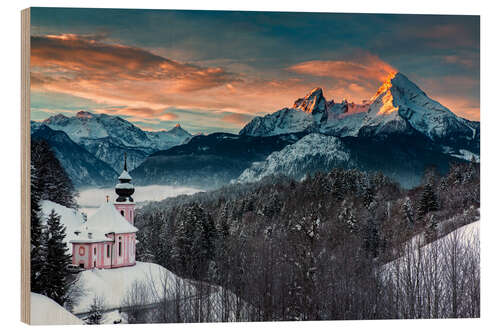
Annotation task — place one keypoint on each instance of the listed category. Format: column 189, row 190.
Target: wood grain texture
column 25, row 165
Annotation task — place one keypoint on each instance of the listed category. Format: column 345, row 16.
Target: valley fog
column 90, row 200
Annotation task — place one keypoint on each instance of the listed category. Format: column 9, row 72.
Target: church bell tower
column 124, row 204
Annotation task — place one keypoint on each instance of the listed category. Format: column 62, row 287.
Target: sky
column 214, row 71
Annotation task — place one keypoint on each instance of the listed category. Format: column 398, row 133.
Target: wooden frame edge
column 25, row 165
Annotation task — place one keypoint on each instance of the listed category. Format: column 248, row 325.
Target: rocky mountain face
column 399, row 107
column 314, row 152
column 402, row 158
column 109, row 137
column 208, row 161
column 82, row 167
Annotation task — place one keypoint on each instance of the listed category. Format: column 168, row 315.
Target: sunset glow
column 220, row 76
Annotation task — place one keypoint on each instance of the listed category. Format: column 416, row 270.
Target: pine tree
column 407, row 211
column 37, row 254
column 428, row 201
column 95, row 312
column 194, row 241
column 372, row 238
column 431, row 228
column 368, row 196
column 55, row 269
column 52, row 180
column 182, row 244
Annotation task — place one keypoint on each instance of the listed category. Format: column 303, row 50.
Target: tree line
column 49, row 256
column 313, row 249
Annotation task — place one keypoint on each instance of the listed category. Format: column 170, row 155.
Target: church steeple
column 124, row 188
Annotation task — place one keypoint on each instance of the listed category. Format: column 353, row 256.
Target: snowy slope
column 166, row 139
column 281, row 122
column 113, row 285
column 467, row 235
column 45, row 311
column 311, row 153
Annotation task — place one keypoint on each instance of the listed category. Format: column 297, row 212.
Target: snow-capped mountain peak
column 312, row 102
column 84, row 115
column 398, row 107
column 401, row 106
column 108, row 137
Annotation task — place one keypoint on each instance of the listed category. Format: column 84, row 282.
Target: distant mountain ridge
column 82, row 167
column 402, row 158
column 208, row 161
column 108, row 137
column 400, row 131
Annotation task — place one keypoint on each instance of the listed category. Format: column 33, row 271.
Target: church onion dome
column 125, row 176
column 124, row 188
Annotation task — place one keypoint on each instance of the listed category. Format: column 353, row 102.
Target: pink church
column 107, row 239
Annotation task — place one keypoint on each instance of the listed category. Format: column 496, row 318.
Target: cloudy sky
column 214, row 71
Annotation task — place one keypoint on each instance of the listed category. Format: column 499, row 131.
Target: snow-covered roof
column 107, row 220
column 87, row 235
column 125, row 176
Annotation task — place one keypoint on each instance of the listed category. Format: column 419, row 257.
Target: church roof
column 107, row 220
column 86, row 235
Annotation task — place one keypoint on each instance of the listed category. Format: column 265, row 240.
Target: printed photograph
column 231, row 166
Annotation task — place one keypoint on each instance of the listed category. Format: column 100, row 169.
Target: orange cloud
column 236, row 118
column 145, row 85
column 144, row 114
column 70, row 57
column 366, row 67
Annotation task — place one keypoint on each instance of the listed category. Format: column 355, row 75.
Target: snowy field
column 113, row 287
column 90, row 199
column 436, row 254
column 45, row 311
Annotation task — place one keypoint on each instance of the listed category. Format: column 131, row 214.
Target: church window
column 107, row 250
column 95, row 250
column 122, row 212
column 120, row 249
column 81, row 251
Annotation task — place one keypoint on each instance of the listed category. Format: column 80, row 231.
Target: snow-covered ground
column 114, row 286
column 466, row 236
column 90, row 199
column 45, row 311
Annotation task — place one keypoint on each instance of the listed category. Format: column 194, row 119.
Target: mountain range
column 400, row 131
column 208, row 161
column 398, row 107
column 106, row 138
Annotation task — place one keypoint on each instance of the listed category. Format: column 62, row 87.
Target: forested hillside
column 313, row 249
